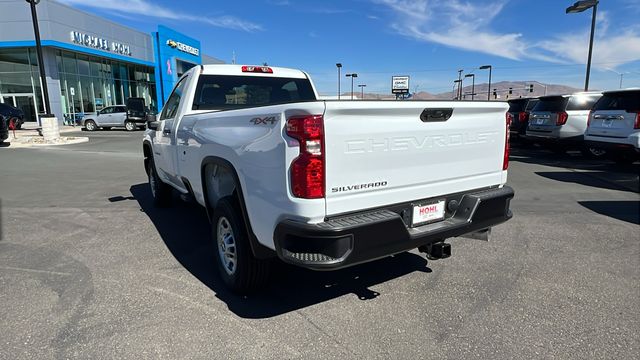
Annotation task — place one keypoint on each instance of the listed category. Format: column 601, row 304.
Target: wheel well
column 219, row 179
column 146, row 151
column 218, row 182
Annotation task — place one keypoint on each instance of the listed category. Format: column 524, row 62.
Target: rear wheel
column 239, row 269
column 160, row 191
column 592, row 152
column 129, row 125
column 90, row 125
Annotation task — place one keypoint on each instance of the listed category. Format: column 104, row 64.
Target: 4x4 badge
column 267, row 119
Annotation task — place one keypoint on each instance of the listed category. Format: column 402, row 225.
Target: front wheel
column 238, row 268
column 90, row 125
column 129, row 125
column 160, row 192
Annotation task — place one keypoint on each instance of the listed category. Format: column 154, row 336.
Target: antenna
column 233, row 57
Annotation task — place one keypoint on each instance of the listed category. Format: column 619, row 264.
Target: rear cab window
column 551, row 104
column 517, row 105
column 225, row 92
column 582, row 102
column 628, row 101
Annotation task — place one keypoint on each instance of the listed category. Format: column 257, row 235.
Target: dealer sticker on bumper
column 427, row 213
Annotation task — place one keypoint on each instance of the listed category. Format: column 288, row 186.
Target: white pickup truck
column 324, row 184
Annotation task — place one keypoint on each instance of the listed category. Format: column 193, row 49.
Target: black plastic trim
column 378, row 233
column 259, row 251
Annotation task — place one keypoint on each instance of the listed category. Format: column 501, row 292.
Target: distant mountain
column 518, row 89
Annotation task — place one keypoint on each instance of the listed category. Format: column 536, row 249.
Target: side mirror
column 152, row 125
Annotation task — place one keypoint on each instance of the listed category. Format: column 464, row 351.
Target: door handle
column 166, row 131
column 433, row 115
column 597, row 117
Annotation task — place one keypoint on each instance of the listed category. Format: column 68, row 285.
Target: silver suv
column 111, row 116
column 559, row 122
column 614, row 125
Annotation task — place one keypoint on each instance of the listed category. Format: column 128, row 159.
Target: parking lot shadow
column 574, row 160
column 598, row 179
column 184, row 228
column 628, row 211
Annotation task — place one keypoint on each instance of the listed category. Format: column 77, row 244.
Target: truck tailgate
column 387, row 152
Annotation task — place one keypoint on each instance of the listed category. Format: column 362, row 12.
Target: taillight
column 509, row 119
column 308, row 170
column 589, row 118
column 523, row 116
column 562, row 118
column 636, row 124
column 505, row 160
column 257, row 69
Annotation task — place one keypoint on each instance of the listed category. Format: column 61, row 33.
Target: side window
column 171, row 107
column 107, row 110
column 121, row 109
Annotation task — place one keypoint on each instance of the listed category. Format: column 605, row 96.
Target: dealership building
column 90, row 62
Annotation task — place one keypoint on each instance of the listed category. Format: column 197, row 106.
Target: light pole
column 362, row 86
column 352, row 76
column 456, row 82
column 484, row 67
column 339, row 66
column 621, row 75
column 580, row 6
column 460, row 84
column 473, row 84
column 43, row 77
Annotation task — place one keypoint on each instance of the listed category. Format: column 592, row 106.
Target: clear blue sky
column 425, row 39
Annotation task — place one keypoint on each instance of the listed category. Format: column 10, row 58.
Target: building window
column 98, row 82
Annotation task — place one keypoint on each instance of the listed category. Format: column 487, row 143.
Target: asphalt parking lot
column 89, row 269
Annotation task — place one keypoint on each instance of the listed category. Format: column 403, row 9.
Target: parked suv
column 614, row 125
column 137, row 110
column 559, row 122
column 111, row 116
column 14, row 117
column 519, row 110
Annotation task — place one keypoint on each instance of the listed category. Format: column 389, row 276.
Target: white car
column 111, row 116
column 614, row 125
column 324, row 184
column 559, row 122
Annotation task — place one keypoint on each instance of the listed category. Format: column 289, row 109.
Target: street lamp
column 339, row 65
column 456, row 82
column 352, row 76
column 460, row 84
column 581, row 6
column 43, row 77
column 621, row 75
column 485, row 67
column 473, row 84
column 362, row 86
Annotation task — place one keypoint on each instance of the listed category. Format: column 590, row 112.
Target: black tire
column 592, row 152
column 248, row 274
column 130, row 125
column 90, row 125
column 160, row 192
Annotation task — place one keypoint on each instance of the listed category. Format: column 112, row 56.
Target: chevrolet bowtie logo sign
column 183, row 47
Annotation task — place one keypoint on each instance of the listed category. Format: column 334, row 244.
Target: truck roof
column 234, row 69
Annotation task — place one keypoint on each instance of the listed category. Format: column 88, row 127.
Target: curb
column 27, row 141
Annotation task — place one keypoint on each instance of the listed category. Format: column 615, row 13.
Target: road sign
column 400, row 84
